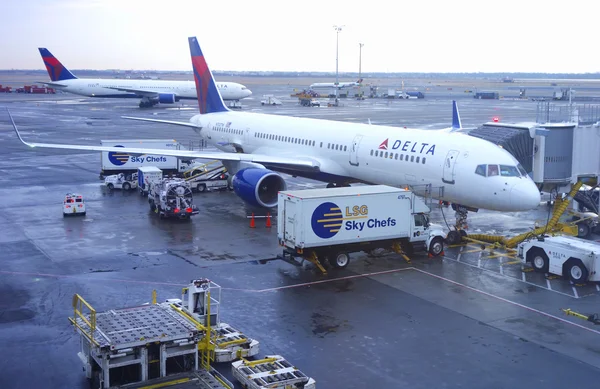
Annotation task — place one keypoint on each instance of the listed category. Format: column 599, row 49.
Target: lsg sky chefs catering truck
column 328, row 224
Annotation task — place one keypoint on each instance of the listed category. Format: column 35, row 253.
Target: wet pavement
column 473, row 319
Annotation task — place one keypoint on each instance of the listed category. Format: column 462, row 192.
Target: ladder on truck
column 273, row 372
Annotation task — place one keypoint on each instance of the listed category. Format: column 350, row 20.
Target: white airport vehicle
column 172, row 198
column 73, row 204
column 123, row 162
column 310, row 102
column 446, row 165
column 273, row 372
column 270, row 100
column 121, row 181
column 340, row 85
column 328, row 224
column 151, row 92
column 146, row 176
column 209, row 176
column 231, row 344
column 571, row 257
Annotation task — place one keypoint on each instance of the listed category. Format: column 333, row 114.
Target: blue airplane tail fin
column 209, row 98
column 456, row 123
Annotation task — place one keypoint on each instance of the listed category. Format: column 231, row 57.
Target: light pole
column 360, row 46
column 337, row 40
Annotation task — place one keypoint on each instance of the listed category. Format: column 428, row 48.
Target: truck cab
column 121, row 181
column 73, row 204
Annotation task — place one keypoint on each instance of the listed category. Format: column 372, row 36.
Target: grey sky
column 398, row 36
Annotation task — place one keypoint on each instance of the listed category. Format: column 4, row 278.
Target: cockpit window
column 522, row 170
column 480, row 170
column 492, row 170
column 509, row 171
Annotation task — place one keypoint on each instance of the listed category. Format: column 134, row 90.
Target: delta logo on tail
column 209, row 98
column 56, row 70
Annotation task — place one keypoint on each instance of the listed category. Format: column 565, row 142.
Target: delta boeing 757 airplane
column 151, row 92
column 256, row 147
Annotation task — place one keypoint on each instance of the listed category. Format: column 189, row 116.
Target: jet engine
column 167, row 98
column 258, row 187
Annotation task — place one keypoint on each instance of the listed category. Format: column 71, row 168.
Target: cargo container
column 328, row 224
column 146, row 176
column 114, row 163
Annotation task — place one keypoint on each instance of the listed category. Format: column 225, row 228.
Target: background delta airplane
column 151, row 92
column 255, row 147
column 332, row 84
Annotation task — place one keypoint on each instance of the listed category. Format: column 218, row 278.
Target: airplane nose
column 524, row 196
column 248, row 93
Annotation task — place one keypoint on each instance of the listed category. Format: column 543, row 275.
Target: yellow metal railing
column 78, row 306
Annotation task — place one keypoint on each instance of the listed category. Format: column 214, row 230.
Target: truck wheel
column 110, row 186
column 436, row 247
column 538, row 259
column 201, row 188
column 126, row 186
column 583, row 230
column 575, row 270
column 339, row 260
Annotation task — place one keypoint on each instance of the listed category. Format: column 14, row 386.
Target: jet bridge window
column 509, row 171
column 480, row 170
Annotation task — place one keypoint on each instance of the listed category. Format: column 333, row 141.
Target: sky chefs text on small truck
column 328, row 224
column 114, row 163
column 574, row 258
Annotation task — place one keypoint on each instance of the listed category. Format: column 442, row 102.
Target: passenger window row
column 229, row 130
column 286, row 139
column 398, row 157
column 333, row 146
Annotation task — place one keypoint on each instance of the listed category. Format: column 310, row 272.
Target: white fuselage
column 186, row 90
column 443, row 163
column 332, row 85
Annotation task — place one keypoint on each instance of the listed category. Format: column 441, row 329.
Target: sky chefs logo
column 118, row 159
column 328, row 219
column 408, row 146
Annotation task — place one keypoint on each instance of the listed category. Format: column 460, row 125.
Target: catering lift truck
column 209, row 176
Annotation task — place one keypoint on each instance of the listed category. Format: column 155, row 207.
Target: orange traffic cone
column 268, row 220
column 252, row 222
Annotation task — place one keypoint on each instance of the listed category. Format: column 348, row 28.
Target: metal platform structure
column 136, row 346
column 273, row 372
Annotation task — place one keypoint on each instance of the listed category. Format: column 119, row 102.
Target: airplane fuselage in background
column 184, row 90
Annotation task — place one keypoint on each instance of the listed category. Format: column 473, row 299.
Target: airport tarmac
column 473, row 319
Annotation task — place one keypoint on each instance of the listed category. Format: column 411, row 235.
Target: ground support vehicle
column 146, row 176
column 172, row 198
column 326, row 225
column 208, row 176
column 121, row 181
column 574, row 258
column 73, row 204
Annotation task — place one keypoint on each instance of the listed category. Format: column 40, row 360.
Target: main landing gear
column 147, row 103
column 337, row 185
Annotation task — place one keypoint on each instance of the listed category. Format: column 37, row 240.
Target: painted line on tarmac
column 49, row 275
column 507, row 301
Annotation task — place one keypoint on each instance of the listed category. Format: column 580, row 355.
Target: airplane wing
column 55, row 84
column 184, row 124
column 300, row 162
column 139, row 92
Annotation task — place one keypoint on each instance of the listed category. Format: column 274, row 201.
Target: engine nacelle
column 258, row 187
column 167, row 98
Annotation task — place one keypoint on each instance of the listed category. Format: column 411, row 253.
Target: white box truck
column 146, row 176
column 574, row 258
column 115, row 163
column 328, row 224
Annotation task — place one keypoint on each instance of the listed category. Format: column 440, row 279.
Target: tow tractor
column 209, row 176
column 121, row 181
column 571, row 257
